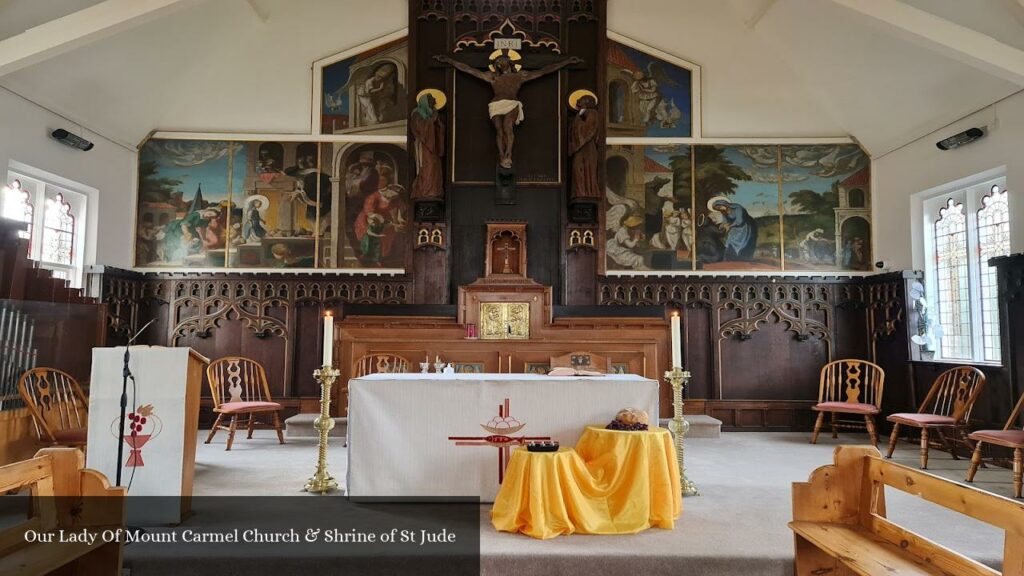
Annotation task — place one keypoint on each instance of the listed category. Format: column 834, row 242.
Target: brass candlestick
column 322, row 481
column 678, row 426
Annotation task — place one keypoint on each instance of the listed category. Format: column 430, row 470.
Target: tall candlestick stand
column 678, row 426
column 322, row 481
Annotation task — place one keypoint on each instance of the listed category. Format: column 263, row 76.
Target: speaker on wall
column 67, row 138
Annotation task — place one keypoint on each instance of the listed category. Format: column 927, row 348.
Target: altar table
column 614, row 482
column 416, row 435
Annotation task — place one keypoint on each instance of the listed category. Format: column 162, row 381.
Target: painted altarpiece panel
column 649, row 203
column 364, row 91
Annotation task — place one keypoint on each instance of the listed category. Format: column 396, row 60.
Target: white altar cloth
column 423, row 434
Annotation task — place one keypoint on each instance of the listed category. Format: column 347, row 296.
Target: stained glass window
column 58, row 232
column 952, row 281
column 17, row 205
column 993, row 240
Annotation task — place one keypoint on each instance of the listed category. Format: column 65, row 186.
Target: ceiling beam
column 943, row 36
column 78, row 29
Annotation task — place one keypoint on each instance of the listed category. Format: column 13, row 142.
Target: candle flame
column 328, row 313
column 675, row 313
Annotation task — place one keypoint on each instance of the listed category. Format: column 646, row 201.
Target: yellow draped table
column 614, row 482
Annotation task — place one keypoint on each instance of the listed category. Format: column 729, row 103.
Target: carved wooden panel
column 275, row 320
column 764, row 339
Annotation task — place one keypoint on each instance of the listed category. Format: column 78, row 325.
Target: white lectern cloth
column 399, row 425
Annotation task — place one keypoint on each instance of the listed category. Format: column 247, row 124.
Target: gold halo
column 577, row 94
column 512, row 55
column 439, row 98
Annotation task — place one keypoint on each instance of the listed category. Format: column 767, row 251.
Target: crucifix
column 505, row 249
column 506, row 77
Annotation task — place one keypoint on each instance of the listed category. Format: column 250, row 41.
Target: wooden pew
column 58, row 472
column 840, row 526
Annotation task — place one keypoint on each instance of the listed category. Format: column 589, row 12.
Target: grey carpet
column 737, row 525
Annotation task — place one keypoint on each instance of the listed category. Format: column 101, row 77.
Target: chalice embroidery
column 501, row 427
column 141, row 426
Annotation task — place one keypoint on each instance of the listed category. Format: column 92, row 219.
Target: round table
column 613, row 482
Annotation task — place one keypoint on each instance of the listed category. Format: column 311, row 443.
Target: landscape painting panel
column 373, row 206
column 366, row 93
column 649, row 225
column 184, row 206
column 827, row 196
column 738, row 224
column 646, row 96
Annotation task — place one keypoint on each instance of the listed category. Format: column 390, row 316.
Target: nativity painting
column 365, row 93
column 647, row 96
column 649, row 224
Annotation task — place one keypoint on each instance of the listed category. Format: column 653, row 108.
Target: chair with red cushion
column 59, row 408
column 239, row 388
column 947, row 407
column 849, row 387
column 1011, row 436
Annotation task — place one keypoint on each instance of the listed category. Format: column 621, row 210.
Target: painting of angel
column 647, row 96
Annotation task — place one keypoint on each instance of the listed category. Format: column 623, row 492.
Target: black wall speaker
column 961, row 139
column 64, row 137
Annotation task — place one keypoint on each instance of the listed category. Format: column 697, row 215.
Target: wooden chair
column 582, row 361
column 59, row 408
column 947, row 406
column 66, row 498
column 840, row 524
column 1011, row 436
column 239, row 388
column 849, row 387
column 380, row 364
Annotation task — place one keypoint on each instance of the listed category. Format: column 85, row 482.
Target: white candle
column 676, row 348
column 328, row 339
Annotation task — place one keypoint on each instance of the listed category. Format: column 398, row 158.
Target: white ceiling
column 771, row 68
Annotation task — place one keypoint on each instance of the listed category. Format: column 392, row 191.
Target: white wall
column 108, row 167
column 904, row 176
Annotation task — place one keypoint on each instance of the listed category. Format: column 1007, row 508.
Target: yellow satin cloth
column 614, row 482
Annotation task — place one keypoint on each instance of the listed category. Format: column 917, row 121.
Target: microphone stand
column 126, row 373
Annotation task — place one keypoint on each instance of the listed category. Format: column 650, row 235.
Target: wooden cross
column 506, row 248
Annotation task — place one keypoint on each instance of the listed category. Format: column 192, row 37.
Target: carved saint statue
column 428, row 131
column 506, row 78
column 583, row 144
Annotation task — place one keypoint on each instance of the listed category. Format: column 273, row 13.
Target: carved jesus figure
column 505, row 109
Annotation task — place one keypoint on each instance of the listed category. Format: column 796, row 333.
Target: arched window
column 971, row 226
column 993, row 240
column 17, row 205
column 271, row 158
column 58, row 232
column 952, row 281
column 618, row 174
column 855, row 198
column 617, row 102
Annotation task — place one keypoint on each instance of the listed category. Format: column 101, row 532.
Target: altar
column 419, row 435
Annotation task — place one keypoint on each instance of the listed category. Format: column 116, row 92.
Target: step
column 301, row 426
column 701, row 426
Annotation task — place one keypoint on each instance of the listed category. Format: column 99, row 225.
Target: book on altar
column 569, row 371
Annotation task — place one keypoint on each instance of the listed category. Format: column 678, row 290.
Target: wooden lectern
column 160, row 429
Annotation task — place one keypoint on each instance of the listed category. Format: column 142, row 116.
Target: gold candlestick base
column 678, row 426
column 322, row 481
